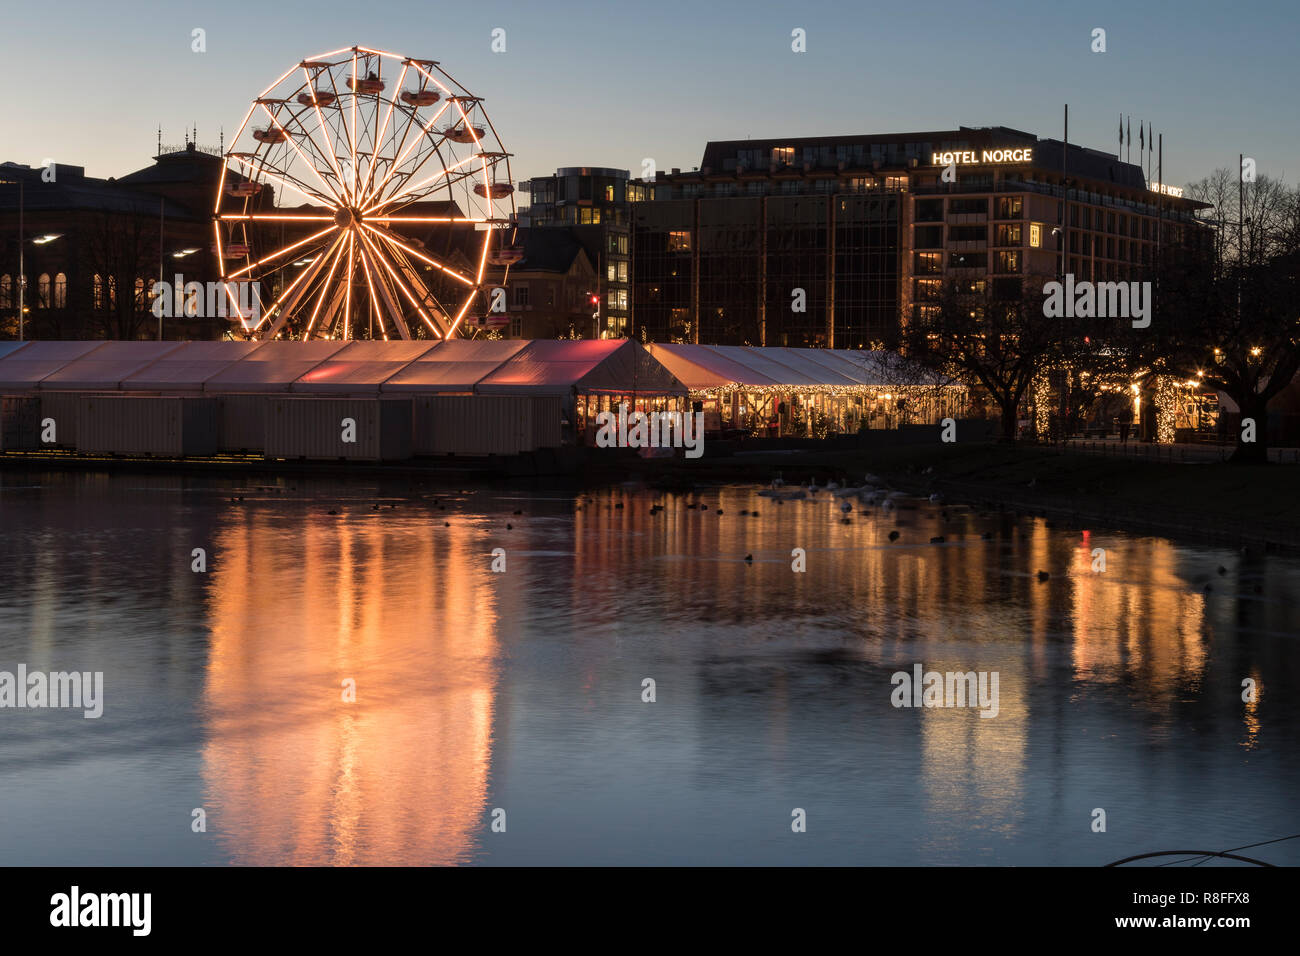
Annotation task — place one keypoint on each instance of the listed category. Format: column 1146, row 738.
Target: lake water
column 522, row 691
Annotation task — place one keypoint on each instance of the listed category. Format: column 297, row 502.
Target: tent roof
column 273, row 367
column 107, row 366
column 362, row 366
column 8, row 348
column 701, row 367
column 26, row 367
column 713, row 366
column 453, row 366
column 806, row 362
column 189, row 366
column 556, row 367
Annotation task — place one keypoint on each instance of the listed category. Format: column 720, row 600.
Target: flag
column 1130, row 132
column 1142, row 143
column 1121, row 129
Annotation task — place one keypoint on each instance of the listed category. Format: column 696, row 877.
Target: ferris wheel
column 364, row 196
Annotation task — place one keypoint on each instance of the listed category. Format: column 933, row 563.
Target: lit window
column 43, row 291
column 61, row 291
column 679, row 242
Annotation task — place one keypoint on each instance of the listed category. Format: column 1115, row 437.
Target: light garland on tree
column 1041, row 390
column 1164, row 397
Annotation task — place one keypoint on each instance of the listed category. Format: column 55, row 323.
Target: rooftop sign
column 1023, row 154
column 1176, row 191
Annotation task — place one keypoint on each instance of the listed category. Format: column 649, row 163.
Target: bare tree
column 120, row 250
column 1232, row 322
column 1001, row 345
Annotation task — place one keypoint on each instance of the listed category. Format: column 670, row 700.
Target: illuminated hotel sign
column 1176, row 191
column 1021, row 155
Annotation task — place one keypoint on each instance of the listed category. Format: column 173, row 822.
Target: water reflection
column 1119, row 688
column 294, row 772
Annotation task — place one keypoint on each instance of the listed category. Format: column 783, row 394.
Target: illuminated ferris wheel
column 394, row 196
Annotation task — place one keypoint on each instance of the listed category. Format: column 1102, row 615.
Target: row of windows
column 856, row 153
column 50, row 293
column 785, row 187
column 1004, row 261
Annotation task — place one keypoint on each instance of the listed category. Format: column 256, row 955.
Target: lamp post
column 22, row 272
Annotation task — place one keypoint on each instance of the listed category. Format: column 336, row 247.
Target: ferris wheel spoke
column 379, row 138
column 302, row 283
column 320, row 119
column 461, row 314
column 416, row 281
column 401, row 286
column 370, row 283
column 316, row 149
column 389, row 238
column 382, row 283
column 446, row 172
column 289, row 140
column 325, row 286
column 420, row 138
column 340, row 126
column 347, row 282
column 352, row 193
column 260, row 170
column 281, row 252
column 414, row 219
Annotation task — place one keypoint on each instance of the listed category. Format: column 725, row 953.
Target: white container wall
column 477, row 425
column 357, row 429
column 148, row 425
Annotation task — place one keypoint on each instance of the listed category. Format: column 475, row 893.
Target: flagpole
column 1065, row 200
column 22, row 271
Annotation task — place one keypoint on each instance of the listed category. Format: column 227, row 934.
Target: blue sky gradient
column 608, row 84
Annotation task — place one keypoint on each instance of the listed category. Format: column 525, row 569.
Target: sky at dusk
column 609, row 84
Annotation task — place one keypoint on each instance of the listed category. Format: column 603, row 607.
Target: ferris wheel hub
column 345, row 217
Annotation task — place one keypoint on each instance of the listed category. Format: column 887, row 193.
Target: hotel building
column 835, row 241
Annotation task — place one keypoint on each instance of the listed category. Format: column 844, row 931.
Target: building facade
column 594, row 204
column 548, row 290
column 834, row 242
